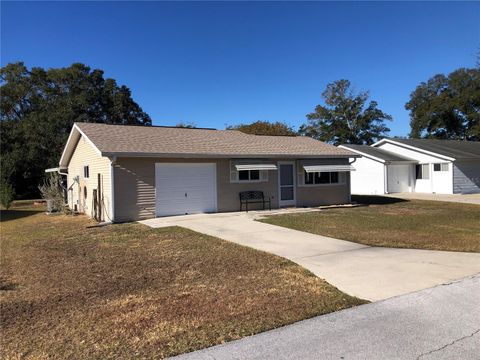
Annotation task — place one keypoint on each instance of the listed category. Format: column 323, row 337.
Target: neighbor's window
column 321, row 178
column 422, row 171
column 86, row 172
column 248, row 175
column 440, row 167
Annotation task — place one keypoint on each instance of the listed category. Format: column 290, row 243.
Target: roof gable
column 377, row 153
column 452, row 149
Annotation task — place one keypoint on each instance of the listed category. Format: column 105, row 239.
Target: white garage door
column 398, row 177
column 185, row 188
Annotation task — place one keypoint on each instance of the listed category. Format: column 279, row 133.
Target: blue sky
column 220, row 63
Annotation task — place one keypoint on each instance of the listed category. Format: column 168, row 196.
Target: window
column 319, row 178
column 86, row 172
column 249, row 175
column 440, row 167
column 422, row 171
column 85, row 192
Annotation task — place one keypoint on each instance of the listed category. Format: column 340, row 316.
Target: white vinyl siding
column 368, row 177
column 84, row 154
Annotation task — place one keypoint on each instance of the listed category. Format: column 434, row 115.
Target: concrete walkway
column 459, row 198
column 438, row 323
column 370, row 273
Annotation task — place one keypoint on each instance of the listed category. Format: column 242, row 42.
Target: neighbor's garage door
column 185, row 188
column 398, row 177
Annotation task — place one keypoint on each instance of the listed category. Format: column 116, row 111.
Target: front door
column 286, row 183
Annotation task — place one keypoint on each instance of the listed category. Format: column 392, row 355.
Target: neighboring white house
column 417, row 165
column 380, row 172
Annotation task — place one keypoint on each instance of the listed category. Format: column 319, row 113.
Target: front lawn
column 128, row 291
column 391, row 222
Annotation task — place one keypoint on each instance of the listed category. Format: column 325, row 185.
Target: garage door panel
column 398, row 177
column 173, row 181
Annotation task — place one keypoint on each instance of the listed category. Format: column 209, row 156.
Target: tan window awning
column 327, row 168
column 241, row 167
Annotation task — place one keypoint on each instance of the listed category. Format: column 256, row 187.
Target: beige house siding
column 135, row 187
column 314, row 195
column 324, row 194
column 83, row 155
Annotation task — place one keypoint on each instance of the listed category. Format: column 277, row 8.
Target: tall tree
column 345, row 117
column 264, row 128
column 447, row 107
column 38, row 109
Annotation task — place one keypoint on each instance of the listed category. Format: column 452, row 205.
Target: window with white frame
column 86, row 172
column 422, row 171
column 249, row 175
column 248, row 172
column 440, row 167
column 319, row 178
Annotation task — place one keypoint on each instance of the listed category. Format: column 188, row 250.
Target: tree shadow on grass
column 8, row 215
column 376, row 200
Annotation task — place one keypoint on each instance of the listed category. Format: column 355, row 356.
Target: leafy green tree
column 345, row 117
column 7, row 194
column 37, row 112
column 264, row 128
column 447, row 107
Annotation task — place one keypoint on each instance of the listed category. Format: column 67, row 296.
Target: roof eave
column 226, row 156
column 362, row 154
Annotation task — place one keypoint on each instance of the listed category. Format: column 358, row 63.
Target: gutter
column 229, row 156
column 113, row 161
column 57, row 170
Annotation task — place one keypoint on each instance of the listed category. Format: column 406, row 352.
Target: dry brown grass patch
column 128, row 291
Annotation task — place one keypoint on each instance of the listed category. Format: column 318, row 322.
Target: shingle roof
column 169, row 141
column 378, row 153
column 450, row 148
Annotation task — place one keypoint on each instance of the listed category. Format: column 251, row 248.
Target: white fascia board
column 75, row 128
column 363, row 154
column 66, row 145
column 225, row 156
column 414, row 148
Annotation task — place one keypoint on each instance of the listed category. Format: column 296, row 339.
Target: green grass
column 127, row 291
column 390, row 222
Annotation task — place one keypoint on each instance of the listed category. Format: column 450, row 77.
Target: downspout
column 350, row 181
column 385, row 177
column 113, row 161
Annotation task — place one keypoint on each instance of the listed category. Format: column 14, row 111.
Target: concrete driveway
column 370, row 273
column 460, row 198
column 439, row 323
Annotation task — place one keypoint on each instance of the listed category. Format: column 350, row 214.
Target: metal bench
column 253, row 197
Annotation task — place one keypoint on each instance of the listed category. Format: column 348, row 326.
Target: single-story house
column 124, row 173
column 416, row 165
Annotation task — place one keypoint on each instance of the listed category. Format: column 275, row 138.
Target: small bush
column 52, row 191
column 7, row 194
